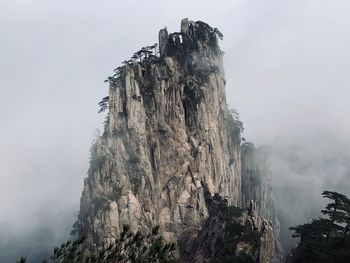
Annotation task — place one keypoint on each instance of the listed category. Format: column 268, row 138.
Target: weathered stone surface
column 163, row 40
column 169, row 145
column 232, row 236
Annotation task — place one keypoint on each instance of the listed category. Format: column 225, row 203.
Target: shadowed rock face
column 231, row 234
column 169, row 143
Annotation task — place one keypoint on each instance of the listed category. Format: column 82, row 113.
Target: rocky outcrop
column 231, row 234
column 256, row 186
column 169, row 144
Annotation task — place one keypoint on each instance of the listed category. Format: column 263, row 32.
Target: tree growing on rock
column 325, row 239
column 103, row 104
column 130, row 247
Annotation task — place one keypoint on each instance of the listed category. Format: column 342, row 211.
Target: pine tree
column 129, row 247
column 325, row 239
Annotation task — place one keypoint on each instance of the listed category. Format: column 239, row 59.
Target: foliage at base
column 130, row 247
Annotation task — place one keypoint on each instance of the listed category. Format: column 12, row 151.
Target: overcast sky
column 287, row 68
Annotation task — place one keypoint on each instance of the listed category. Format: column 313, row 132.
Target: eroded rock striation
column 170, row 153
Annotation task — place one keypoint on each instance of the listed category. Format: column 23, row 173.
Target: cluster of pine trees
column 325, row 239
column 130, row 247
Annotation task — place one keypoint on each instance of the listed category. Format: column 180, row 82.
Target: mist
column 302, row 169
column 286, row 66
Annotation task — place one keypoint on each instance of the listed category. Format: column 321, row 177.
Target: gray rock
column 163, row 40
column 184, row 25
column 170, row 145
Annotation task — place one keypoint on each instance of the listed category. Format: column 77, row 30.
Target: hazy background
column 287, row 68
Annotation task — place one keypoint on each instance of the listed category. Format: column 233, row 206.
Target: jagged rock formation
column 254, row 231
column 169, row 145
column 255, row 186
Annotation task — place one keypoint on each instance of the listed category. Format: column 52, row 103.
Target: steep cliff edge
column 170, row 145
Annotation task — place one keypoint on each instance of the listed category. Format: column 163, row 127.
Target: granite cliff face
column 170, row 153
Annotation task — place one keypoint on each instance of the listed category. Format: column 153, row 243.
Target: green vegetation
column 144, row 56
column 103, row 104
column 130, row 247
column 325, row 239
column 235, row 233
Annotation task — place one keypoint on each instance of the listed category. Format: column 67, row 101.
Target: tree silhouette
column 129, row 247
column 325, row 239
column 237, row 121
column 218, row 33
column 103, row 104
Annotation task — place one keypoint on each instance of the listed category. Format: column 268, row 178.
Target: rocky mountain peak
column 170, row 154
